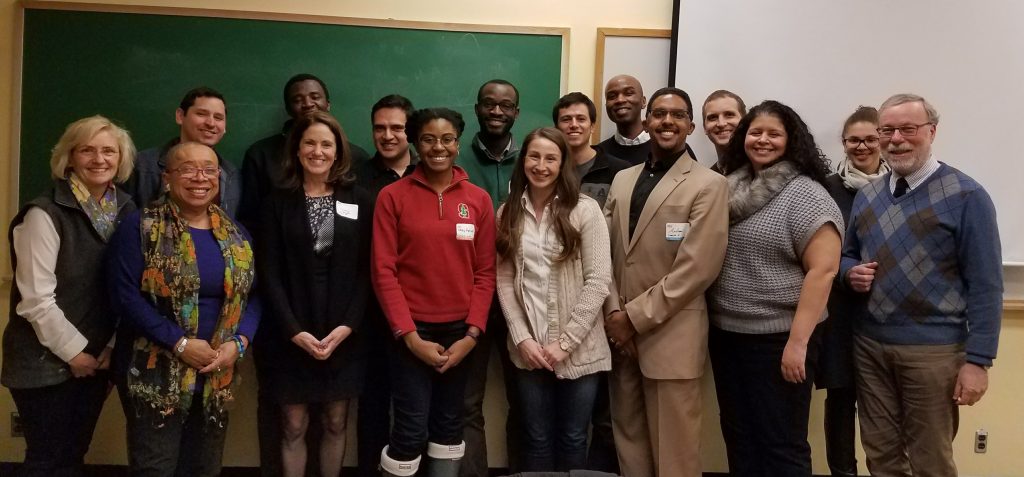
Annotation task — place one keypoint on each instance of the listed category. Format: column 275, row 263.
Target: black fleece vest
column 81, row 291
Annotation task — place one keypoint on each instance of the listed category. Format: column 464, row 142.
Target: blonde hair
column 80, row 132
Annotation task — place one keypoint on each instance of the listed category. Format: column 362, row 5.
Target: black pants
column 475, row 463
column 374, row 423
column 840, row 431
column 58, row 421
column 601, row 455
column 763, row 417
column 428, row 405
column 172, row 446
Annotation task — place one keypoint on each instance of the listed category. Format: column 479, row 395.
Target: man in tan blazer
column 669, row 220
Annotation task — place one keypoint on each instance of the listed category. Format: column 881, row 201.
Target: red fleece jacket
column 433, row 254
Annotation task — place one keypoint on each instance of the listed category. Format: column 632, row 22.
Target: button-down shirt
column 536, row 267
column 916, row 178
column 638, row 140
column 487, row 152
column 652, row 174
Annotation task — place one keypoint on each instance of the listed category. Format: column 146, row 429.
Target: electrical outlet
column 16, row 429
column 980, row 441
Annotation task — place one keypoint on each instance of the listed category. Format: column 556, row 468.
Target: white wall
column 826, row 58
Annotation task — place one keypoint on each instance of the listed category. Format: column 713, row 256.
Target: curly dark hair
column 801, row 149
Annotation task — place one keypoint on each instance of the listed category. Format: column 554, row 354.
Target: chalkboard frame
column 18, row 60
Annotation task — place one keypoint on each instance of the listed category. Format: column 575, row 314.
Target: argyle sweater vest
column 939, row 275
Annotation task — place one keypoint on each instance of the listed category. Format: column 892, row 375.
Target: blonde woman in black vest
column 57, row 345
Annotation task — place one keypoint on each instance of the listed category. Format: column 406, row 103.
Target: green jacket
column 488, row 173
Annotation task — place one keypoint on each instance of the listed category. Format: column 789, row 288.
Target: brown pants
column 656, row 422
column 908, row 418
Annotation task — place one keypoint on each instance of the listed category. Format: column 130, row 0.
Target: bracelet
column 241, row 347
column 181, row 346
column 475, row 336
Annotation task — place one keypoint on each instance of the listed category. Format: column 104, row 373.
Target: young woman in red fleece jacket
column 433, row 271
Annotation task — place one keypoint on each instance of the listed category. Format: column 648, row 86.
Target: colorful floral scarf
column 102, row 213
column 171, row 279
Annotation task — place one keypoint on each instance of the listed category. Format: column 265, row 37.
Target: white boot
column 397, row 468
column 444, row 459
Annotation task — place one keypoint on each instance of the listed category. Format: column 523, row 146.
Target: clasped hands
column 200, row 355
column 85, row 364
column 537, row 357
column 435, row 355
column 322, row 349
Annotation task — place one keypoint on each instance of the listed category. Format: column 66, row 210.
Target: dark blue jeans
column 763, row 417
column 172, row 446
column 58, row 421
column 427, row 405
column 556, row 415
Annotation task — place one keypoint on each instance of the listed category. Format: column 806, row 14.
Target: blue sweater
column 138, row 315
column 939, row 278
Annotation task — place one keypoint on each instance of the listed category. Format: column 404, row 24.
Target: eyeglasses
column 444, row 140
column 677, row 114
column 853, row 142
column 905, row 131
column 191, row 172
column 506, row 106
column 90, row 151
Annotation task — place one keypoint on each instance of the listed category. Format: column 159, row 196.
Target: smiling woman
column 56, row 345
column 182, row 274
column 433, row 271
column 768, row 301
column 554, row 261
column 315, row 242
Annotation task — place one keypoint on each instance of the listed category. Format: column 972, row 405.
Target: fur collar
column 747, row 194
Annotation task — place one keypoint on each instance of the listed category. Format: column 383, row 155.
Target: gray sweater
column 759, row 286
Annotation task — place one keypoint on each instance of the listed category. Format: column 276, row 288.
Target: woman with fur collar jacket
column 765, row 308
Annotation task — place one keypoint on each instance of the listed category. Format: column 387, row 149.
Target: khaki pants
column 656, row 422
column 908, row 418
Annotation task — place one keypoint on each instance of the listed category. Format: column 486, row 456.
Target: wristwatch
column 181, row 346
column 564, row 344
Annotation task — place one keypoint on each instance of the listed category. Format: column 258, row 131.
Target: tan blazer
column 660, row 282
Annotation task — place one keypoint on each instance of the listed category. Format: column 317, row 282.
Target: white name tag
column 676, row 231
column 349, row 211
column 465, row 231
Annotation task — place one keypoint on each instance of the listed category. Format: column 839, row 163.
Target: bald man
column 624, row 100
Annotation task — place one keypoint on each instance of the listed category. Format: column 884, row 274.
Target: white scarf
column 855, row 179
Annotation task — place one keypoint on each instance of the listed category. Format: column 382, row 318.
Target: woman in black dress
column 314, row 253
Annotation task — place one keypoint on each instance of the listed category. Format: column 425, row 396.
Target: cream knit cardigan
column 577, row 288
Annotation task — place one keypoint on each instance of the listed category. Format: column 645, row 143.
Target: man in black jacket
column 263, row 166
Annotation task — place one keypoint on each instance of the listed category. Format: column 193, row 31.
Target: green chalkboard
column 135, row 67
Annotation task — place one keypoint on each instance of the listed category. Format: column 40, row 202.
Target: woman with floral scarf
column 56, row 347
column 182, row 274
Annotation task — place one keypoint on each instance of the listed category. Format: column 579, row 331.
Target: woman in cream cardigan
column 554, row 267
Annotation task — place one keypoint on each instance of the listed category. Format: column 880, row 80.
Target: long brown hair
column 567, row 195
column 339, row 174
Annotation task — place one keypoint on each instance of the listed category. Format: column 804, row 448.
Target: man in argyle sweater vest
column 923, row 248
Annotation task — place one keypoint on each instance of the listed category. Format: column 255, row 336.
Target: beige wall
column 999, row 413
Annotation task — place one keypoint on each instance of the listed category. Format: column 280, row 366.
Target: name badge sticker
column 348, row 211
column 676, row 231
column 465, row 231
